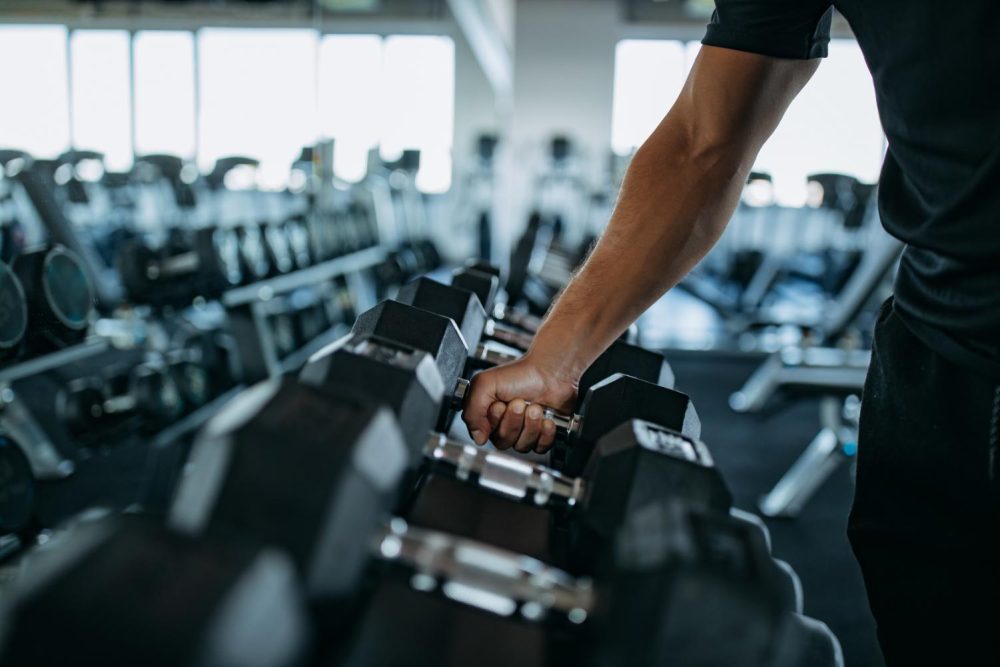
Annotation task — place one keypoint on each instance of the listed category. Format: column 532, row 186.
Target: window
column 34, row 113
column 350, row 70
column 257, row 97
column 832, row 126
column 164, row 93
column 100, row 95
column 395, row 94
column 419, row 104
column 649, row 75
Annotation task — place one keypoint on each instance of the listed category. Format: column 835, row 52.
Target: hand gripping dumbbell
column 126, row 591
column 629, row 465
column 59, row 295
column 623, row 398
column 333, row 466
column 210, row 265
column 464, row 308
column 88, row 405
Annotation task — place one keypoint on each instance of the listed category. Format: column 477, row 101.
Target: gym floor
column 753, row 451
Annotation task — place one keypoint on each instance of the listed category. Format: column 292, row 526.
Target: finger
column 475, row 412
column 547, row 436
column 496, row 414
column 531, row 430
column 511, row 424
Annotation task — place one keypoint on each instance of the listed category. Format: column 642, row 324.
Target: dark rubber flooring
column 753, row 451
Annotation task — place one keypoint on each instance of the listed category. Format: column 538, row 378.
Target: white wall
column 475, row 113
column 563, row 78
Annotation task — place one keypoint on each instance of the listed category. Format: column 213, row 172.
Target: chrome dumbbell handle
column 505, row 474
column 484, row 576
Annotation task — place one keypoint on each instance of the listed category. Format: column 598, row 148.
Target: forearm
column 675, row 201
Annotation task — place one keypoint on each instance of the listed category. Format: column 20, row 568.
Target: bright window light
column 649, row 75
column 101, row 99
column 832, row 126
column 257, row 97
column 419, row 105
column 350, row 84
column 164, row 93
column 34, row 112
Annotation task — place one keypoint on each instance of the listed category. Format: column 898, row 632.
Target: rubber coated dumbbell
column 624, row 398
column 87, row 405
column 142, row 595
column 209, row 266
column 628, row 465
column 464, row 308
column 343, row 522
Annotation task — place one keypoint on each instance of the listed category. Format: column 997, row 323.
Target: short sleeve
column 798, row 29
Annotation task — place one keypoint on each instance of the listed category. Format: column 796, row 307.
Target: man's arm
column 679, row 192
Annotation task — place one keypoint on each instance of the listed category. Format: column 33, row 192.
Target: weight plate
column 67, row 288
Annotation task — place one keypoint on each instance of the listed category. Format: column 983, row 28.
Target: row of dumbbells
column 328, row 518
column 209, row 260
column 46, row 302
column 146, row 398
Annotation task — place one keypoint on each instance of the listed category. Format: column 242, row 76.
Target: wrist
column 557, row 356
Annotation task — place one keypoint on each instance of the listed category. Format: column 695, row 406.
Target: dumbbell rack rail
column 246, row 308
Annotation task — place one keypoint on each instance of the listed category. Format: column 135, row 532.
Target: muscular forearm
column 674, row 204
column 678, row 194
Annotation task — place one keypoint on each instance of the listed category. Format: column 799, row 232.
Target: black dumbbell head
column 59, row 294
column 80, row 404
column 484, row 285
column 219, row 252
column 129, row 592
column 298, row 242
column 299, row 469
column 156, row 394
column 406, row 380
column 639, row 462
column 275, row 240
column 192, row 381
column 13, row 313
column 691, row 587
column 462, row 306
column 620, row 398
column 629, row 359
column 421, row 330
column 483, row 266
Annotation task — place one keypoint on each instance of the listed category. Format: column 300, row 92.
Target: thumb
column 475, row 413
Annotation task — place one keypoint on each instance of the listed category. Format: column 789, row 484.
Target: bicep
column 733, row 100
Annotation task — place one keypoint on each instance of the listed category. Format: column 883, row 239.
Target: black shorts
column 925, row 525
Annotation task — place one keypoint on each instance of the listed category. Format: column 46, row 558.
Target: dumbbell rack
column 247, row 309
column 46, row 462
column 119, row 470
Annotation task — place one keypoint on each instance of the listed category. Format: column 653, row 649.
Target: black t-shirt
column 936, row 67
